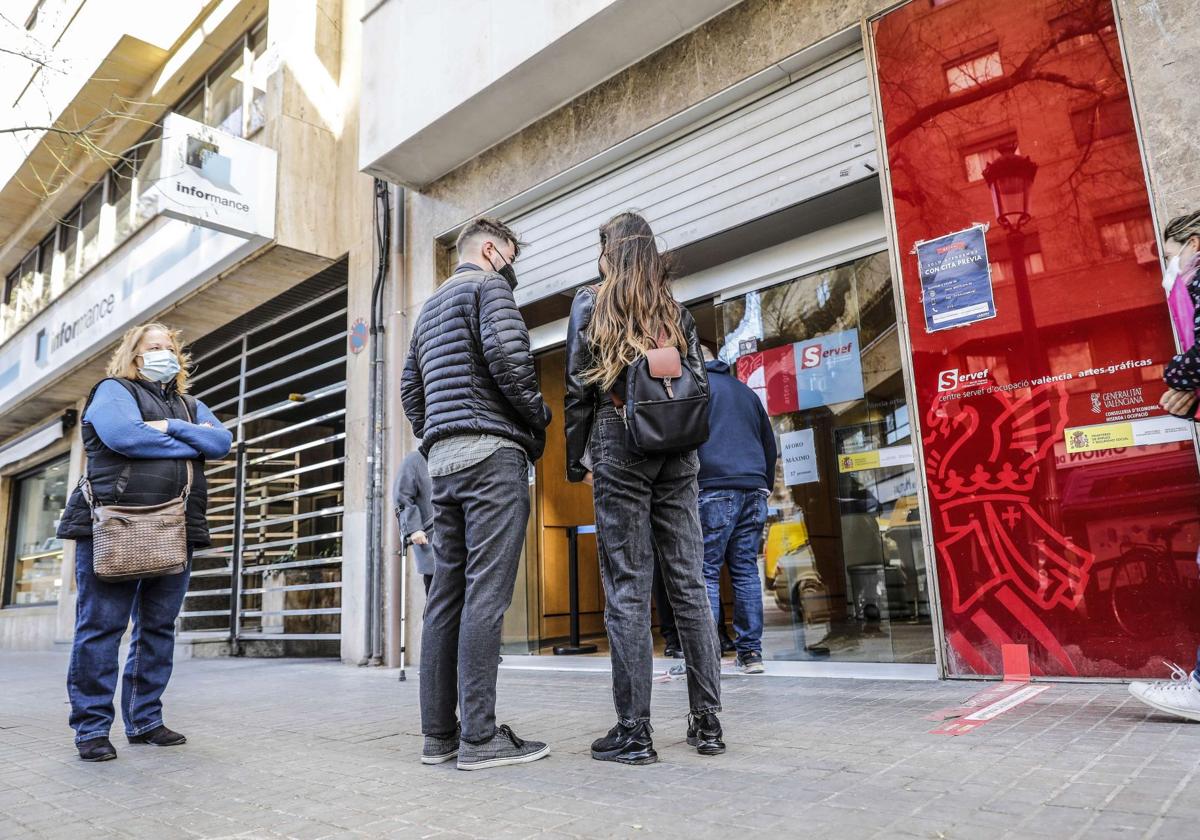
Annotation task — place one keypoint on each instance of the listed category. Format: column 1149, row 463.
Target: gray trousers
column 480, row 516
column 645, row 503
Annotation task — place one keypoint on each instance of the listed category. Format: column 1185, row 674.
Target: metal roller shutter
column 800, row 141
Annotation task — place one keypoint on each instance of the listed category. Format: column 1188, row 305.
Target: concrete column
column 1160, row 43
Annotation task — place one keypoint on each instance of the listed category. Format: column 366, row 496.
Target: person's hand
column 158, row 425
column 587, row 479
column 1177, row 402
column 419, row 538
column 206, row 423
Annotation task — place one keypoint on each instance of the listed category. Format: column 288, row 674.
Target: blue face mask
column 159, row 365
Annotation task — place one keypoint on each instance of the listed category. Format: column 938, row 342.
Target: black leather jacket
column 469, row 368
column 583, row 399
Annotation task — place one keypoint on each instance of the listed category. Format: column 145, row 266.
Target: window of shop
column 33, row 573
column 843, row 562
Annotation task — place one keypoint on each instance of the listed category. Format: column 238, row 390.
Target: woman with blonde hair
column 644, row 500
column 145, row 437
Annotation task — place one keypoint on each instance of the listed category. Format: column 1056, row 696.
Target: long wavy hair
column 123, row 362
column 634, row 303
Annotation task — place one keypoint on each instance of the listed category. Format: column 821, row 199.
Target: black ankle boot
column 627, row 745
column 704, row 733
column 159, row 737
column 96, row 749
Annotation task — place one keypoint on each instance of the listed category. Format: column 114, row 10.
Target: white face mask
column 1181, row 263
column 159, row 365
column 1171, row 274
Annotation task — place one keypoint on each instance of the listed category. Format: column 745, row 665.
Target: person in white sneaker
column 1179, row 696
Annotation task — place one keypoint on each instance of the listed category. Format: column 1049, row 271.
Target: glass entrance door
column 843, row 565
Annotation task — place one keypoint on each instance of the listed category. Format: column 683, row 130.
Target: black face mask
column 506, row 271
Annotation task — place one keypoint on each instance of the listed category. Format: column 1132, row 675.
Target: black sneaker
column 750, row 662
column 626, row 745
column 704, row 733
column 727, row 645
column 159, row 737
column 96, row 749
column 439, row 749
column 504, row 748
column 673, row 652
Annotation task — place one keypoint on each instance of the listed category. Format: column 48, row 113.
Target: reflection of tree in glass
column 948, row 94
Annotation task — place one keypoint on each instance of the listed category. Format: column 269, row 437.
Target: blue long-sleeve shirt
column 115, row 416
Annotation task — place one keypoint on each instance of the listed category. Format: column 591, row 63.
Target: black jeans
column 666, row 615
column 480, row 517
column 642, row 503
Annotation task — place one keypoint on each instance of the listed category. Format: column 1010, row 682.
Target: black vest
column 139, row 481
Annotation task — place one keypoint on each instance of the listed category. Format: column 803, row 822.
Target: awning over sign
column 35, row 440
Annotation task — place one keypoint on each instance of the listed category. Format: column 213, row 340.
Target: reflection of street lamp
column 1010, row 178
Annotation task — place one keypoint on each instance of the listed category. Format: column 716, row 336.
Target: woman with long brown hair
column 644, row 502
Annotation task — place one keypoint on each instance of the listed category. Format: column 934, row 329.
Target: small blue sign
column 828, row 369
column 956, row 279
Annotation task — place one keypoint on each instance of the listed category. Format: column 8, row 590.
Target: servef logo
column 952, row 380
column 810, row 357
column 948, row 380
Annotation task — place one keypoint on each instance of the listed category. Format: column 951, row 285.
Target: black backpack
column 666, row 403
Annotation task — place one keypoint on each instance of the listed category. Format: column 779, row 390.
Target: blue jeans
column 733, row 523
column 102, row 613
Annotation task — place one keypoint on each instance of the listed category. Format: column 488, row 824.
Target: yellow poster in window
column 1097, row 438
column 859, row 461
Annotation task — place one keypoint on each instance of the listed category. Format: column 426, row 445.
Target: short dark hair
column 486, row 226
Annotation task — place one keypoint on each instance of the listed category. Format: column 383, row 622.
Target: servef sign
column 952, row 380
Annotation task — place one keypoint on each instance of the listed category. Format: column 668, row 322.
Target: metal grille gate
column 273, row 572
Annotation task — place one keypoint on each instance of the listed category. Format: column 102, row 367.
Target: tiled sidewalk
column 313, row 749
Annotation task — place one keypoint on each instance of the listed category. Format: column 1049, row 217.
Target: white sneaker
column 1179, row 696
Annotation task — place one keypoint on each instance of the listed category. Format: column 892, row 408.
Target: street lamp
column 1010, row 179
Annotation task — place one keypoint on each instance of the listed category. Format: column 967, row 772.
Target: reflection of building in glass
column 1077, row 296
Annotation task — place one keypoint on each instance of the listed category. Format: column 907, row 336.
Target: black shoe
column 626, row 745
column 159, row 737
column 704, row 733
column 750, row 662
column 727, row 645
column 97, row 749
column 673, row 652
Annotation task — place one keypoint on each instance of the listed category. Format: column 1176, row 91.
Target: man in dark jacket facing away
column 737, row 472
column 412, row 498
column 471, row 393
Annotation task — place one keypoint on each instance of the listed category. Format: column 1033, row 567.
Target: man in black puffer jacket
column 470, row 391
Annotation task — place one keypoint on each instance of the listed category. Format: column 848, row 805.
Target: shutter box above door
column 811, row 137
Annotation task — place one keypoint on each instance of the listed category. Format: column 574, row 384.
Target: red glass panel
column 1059, row 523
